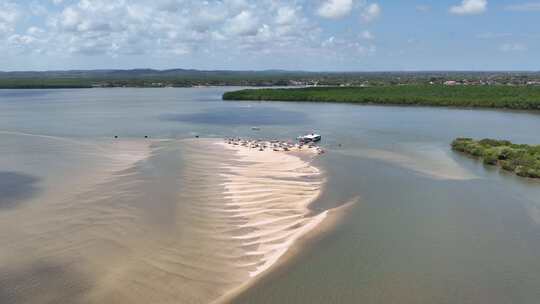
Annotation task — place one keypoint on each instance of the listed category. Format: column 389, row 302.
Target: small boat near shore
column 309, row 138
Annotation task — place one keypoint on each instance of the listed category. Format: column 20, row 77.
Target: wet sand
column 333, row 217
column 271, row 191
column 177, row 222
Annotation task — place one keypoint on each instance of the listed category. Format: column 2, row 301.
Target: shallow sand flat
column 278, row 186
column 430, row 162
column 187, row 222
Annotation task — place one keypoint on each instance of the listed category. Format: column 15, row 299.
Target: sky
column 310, row 35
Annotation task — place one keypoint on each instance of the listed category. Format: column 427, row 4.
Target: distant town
column 194, row 78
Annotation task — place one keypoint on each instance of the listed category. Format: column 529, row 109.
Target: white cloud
column 286, row 15
column 243, row 24
column 334, row 9
column 9, row 14
column 164, row 29
column 35, row 31
column 513, row 47
column 525, row 7
column 366, row 50
column 470, row 7
column 206, row 16
column 21, row 39
column 370, row 12
column 37, row 9
column 341, row 48
column 70, row 18
column 367, row 35
column 180, row 27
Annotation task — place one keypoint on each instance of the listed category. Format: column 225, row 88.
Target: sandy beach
column 185, row 222
column 271, row 191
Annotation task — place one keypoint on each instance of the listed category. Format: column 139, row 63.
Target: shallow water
column 78, row 217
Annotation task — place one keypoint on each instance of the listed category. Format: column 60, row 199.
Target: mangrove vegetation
column 480, row 96
column 523, row 160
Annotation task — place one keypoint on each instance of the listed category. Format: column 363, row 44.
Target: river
column 80, row 210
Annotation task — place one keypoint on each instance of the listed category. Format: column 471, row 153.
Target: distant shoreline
column 59, row 87
column 149, row 78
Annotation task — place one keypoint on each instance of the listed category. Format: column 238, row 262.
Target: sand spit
column 271, row 191
column 187, row 222
column 331, row 220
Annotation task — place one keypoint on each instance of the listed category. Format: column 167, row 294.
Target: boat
column 309, row 138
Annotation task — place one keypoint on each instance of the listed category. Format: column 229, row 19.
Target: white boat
column 310, row 138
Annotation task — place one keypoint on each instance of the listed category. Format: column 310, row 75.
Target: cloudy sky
column 352, row 35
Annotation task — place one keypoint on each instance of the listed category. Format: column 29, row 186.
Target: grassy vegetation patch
column 523, row 160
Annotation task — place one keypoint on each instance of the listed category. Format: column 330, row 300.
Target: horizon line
column 273, row 70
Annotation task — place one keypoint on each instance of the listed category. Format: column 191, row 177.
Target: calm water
column 430, row 226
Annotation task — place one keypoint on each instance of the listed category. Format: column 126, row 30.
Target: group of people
column 275, row 145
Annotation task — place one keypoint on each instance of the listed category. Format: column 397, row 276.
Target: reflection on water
column 15, row 188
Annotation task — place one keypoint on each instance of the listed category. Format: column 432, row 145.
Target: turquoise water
column 430, row 226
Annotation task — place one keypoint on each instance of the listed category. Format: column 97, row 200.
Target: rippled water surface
column 87, row 218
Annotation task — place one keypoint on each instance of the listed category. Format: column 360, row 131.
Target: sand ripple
column 188, row 224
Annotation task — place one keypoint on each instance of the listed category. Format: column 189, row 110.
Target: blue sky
column 317, row 35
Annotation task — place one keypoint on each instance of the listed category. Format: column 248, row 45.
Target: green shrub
column 505, row 153
column 494, row 142
column 533, row 173
column 477, row 151
column 491, row 157
column 508, row 165
column 534, row 150
column 523, row 160
column 521, row 171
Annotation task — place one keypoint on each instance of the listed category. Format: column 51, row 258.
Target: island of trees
column 523, row 160
column 482, row 96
